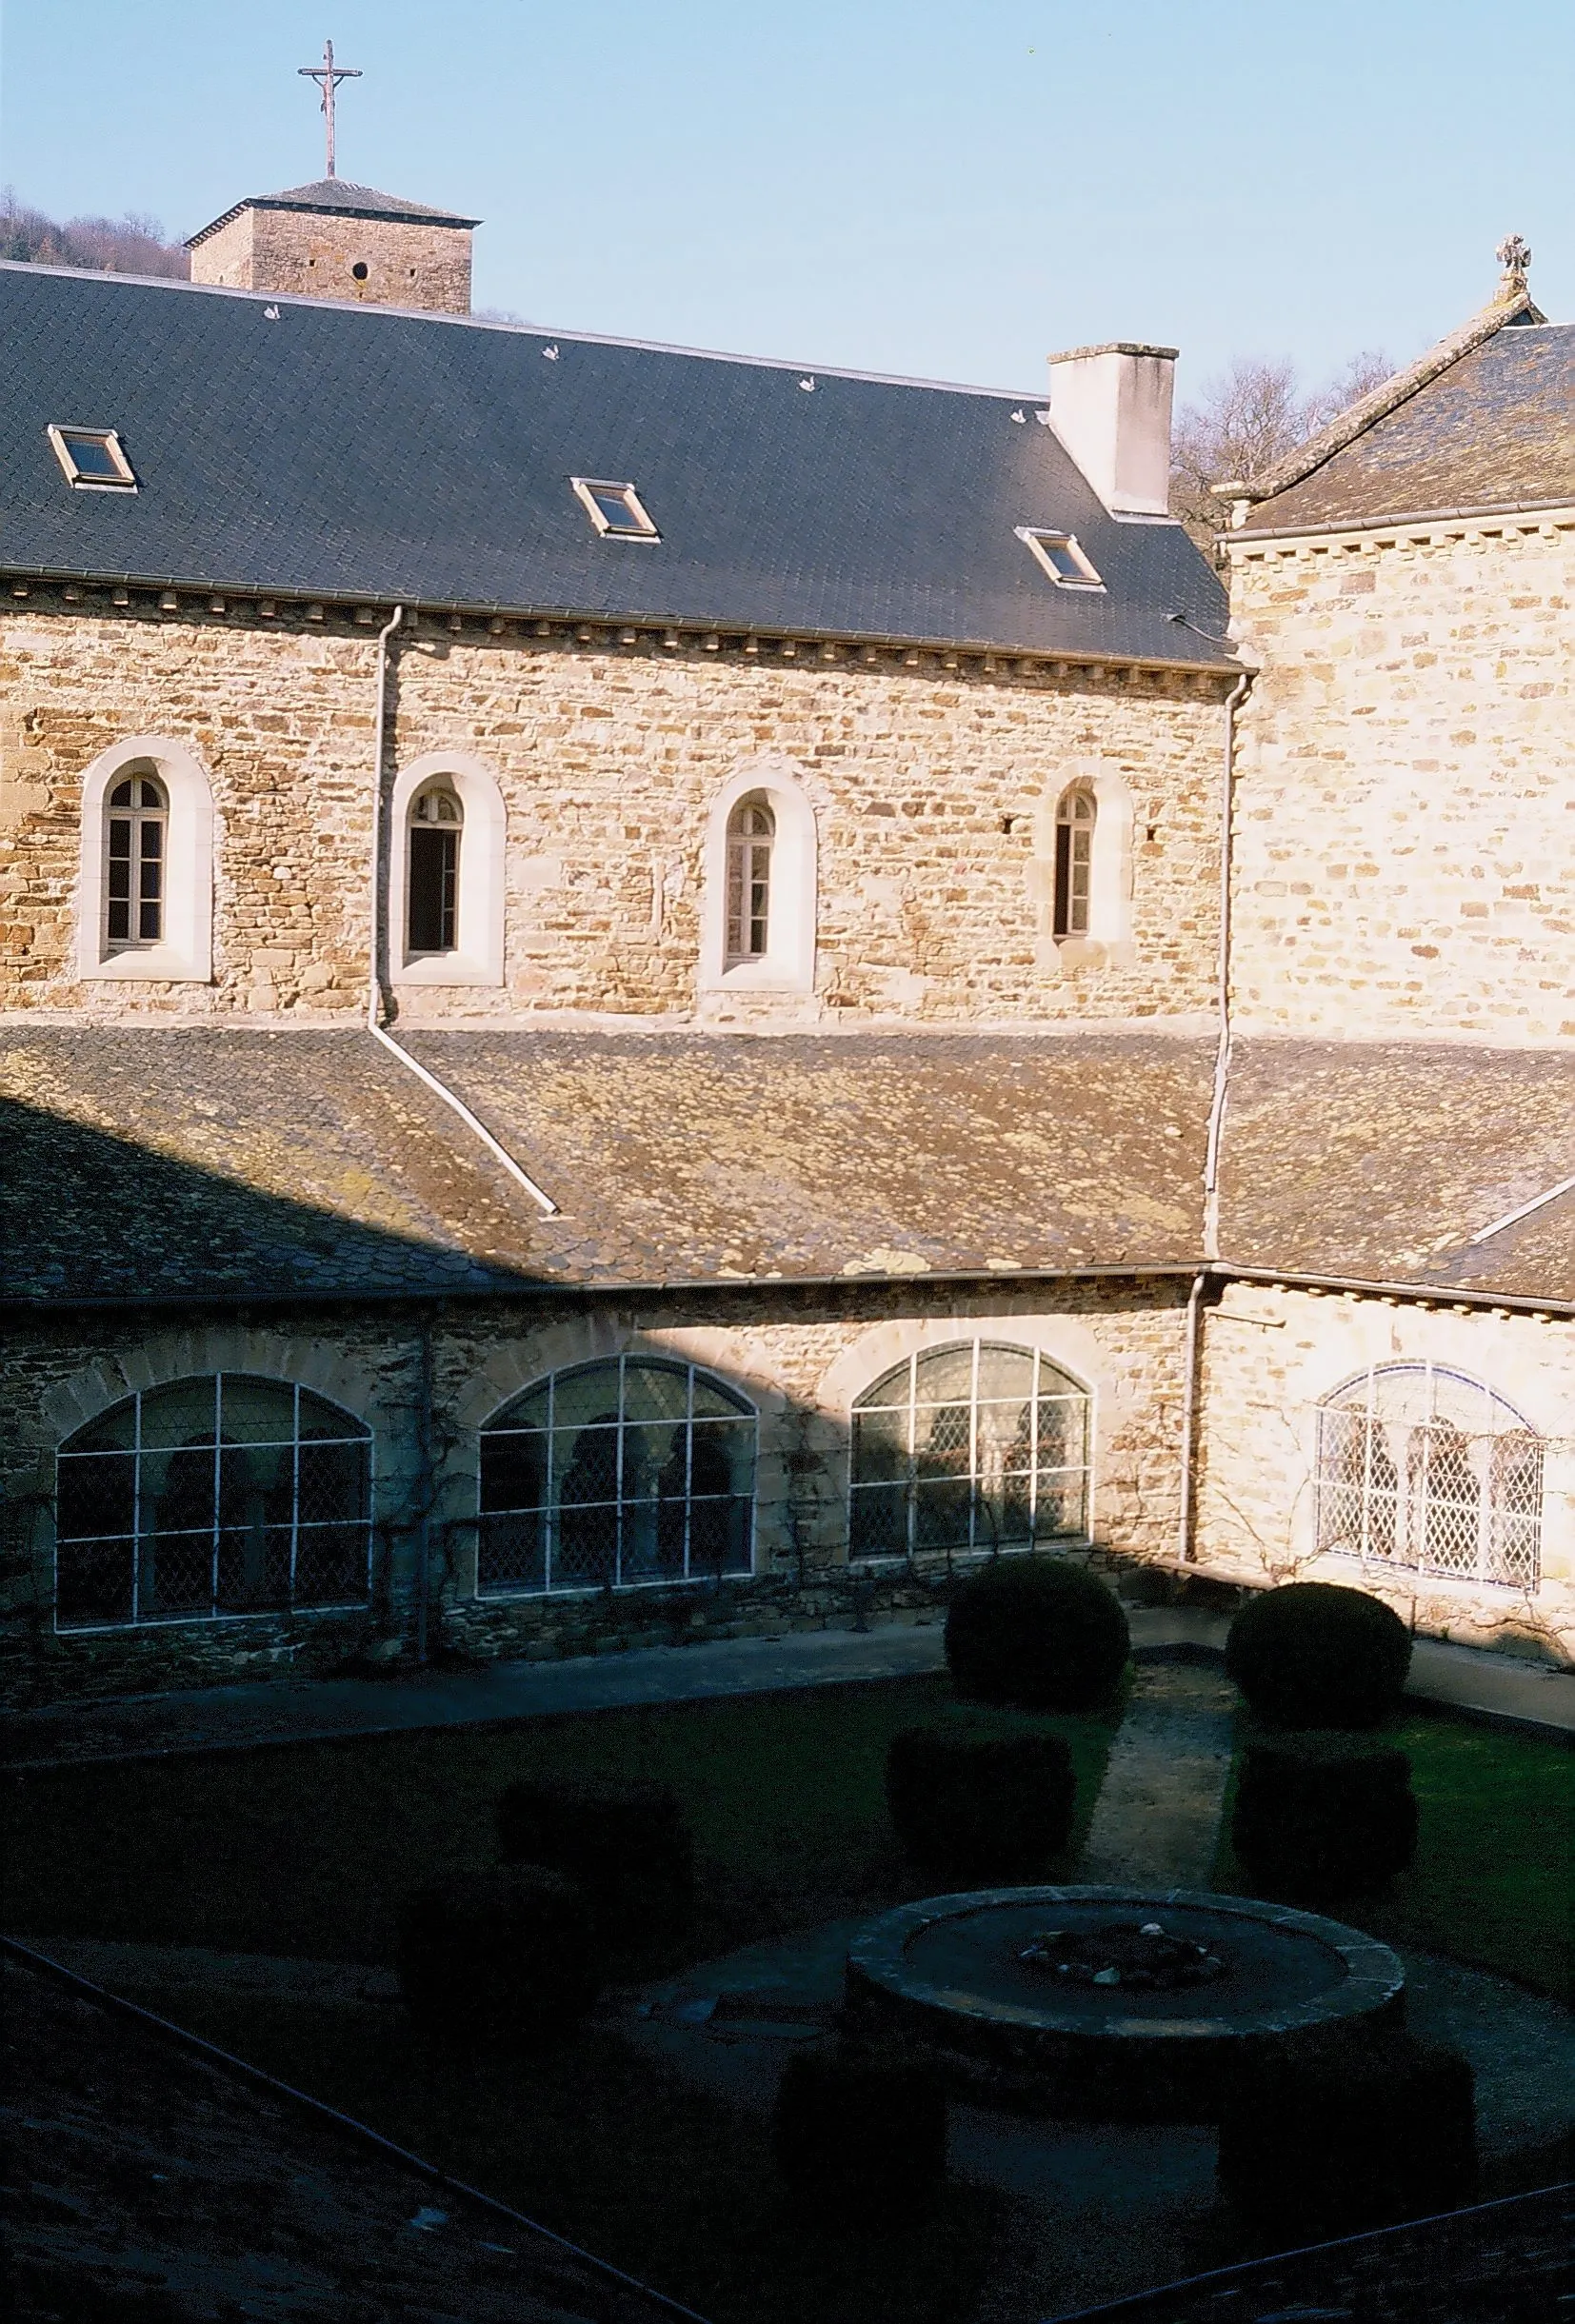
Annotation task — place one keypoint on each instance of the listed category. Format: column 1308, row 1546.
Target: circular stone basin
column 947, row 1973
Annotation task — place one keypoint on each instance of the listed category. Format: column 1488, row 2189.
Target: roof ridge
column 1378, row 402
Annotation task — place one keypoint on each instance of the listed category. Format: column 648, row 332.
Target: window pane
column 719, row 1536
column 93, row 459
column 880, row 1446
column 1063, row 1431
column 711, row 1400
column 93, row 1584
column 890, row 1392
column 257, row 1411
column 181, row 1414
column 590, row 1394
column 321, row 1419
column 514, row 1471
column 253, row 1569
column 1005, row 1371
column 941, row 1515
column 585, row 1464
column 654, row 1392
column 333, row 1484
column 944, row 1375
column 654, row 1462
column 331, row 1565
column 586, row 1547
column 941, row 1446
column 722, row 1456
column 97, row 1495
column 1063, row 1509
column 433, row 888
column 879, row 1526
column 512, row 1553
column 179, row 1490
column 176, row 1575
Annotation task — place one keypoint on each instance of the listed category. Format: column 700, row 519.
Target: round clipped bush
column 1357, row 2131
column 1313, row 1655
column 623, row 1840
column 861, row 2135
column 1317, row 1818
column 976, row 1804
column 1038, row 1632
column 506, row 1959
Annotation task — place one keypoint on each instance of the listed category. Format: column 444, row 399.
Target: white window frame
column 641, row 526
column 1110, row 869
column 788, row 964
column 478, row 956
column 59, row 435
column 1041, row 538
column 184, row 954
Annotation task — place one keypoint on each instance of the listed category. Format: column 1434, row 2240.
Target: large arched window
column 1075, row 861
column 223, row 1495
column 970, row 1447
column 1426, row 1469
column 636, row 1469
column 751, row 829
column 432, row 892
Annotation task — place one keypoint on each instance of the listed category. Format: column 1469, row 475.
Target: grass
column 306, row 1848
column 1493, row 1883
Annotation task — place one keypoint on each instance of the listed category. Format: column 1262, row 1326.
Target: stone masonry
column 313, row 254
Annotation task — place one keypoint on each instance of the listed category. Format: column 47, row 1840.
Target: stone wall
column 313, row 254
column 933, row 791
column 1405, row 842
column 800, row 1358
column 1271, row 1356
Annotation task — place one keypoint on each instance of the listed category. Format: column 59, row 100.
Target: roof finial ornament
column 328, row 75
column 1514, row 256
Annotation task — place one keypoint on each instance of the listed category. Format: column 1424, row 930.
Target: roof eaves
column 1363, row 527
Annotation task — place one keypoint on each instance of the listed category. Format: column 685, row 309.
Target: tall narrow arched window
column 971, row 1447
column 1422, row 1469
column 751, row 835
column 433, row 829
column 1075, row 861
column 136, row 852
column 636, row 1469
column 214, row 1495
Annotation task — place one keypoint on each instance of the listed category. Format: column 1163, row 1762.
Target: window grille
column 625, row 1472
column 971, row 1447
column 1423, row 1469
column 135, row 850
column 432, row 885
column 212, row 1497
column 1075, row 861
column 751, row 835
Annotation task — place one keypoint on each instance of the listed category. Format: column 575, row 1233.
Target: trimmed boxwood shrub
column 975, row 1803
column 1359, row 2130
column 1038, row 1632
column 623, row 1840
column 861, row 2135
column 505, row 1958
column 1318, row 1817
column 1312, row 1653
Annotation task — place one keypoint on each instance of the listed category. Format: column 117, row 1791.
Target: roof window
column 1067, row 565
column 616, row 510
column 93, row 459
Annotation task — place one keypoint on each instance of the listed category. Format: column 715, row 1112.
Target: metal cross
column 328, row 75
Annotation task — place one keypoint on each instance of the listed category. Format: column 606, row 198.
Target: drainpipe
column 1185, row 1546
column 377, row 940
column 426, row 1488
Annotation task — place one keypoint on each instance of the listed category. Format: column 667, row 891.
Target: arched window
column 224, row 1495
column 970, row 1447
column 1426, row 1469
column 751, row 831
column 135, row 827
column 636, row 1469
column 1075, row 861
column 433, row 880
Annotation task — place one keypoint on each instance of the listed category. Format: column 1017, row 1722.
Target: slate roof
column 337, row 196
column 1494, row 430
column 293, row 447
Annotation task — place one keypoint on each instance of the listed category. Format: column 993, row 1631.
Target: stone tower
column 333, row 240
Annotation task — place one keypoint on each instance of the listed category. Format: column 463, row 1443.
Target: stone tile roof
column 299, row 449
column 224, row 1161
column 337, row 196
column 150, row 2182
column 1494, row 427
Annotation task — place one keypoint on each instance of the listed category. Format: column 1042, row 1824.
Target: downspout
column 378, row 937
column 1185, row 1546
column 425, row 1486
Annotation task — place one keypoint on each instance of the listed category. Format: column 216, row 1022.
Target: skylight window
column 93, row 459
column 1067, row 565
column 616, row 510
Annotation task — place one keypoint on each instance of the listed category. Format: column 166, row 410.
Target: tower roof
column 338, row 197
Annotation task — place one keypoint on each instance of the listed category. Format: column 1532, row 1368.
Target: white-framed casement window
column 1061, row 555
column 616, row 510
column 222, row 1495
column 626, row 1470
column 1075, row 821
column 1080, row 876
column 759, row 911
column 976, row 1446
column 93, row 459
column 145, row 890
column 446, row 873
column 1426, row 1469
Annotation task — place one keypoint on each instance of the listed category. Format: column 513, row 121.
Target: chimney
column 1110, row 407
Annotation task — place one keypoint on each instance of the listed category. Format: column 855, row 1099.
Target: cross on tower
column 328, row 75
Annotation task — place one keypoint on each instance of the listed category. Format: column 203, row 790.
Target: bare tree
column 134, row 245
column 1246, row 419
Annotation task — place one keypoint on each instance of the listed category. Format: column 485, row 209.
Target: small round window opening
column 360, row 270
column 432, row 888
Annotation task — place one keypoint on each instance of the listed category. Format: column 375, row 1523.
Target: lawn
column 1493, row 1883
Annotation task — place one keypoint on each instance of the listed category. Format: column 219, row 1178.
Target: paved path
column 1157, row 1817
column 301, row 1709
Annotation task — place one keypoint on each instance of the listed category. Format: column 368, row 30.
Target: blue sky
column 892, row 184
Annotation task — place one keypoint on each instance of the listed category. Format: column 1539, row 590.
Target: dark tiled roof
column 338, row 196
column 300, row 449
column 232, row 1162
column 1494, row 430
column 1379, row 1162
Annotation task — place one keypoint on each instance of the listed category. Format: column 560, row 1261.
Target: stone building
column 616, row 1015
